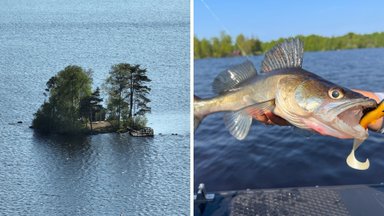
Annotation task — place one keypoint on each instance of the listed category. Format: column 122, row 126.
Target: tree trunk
column 131, row 98
column 90, row 119
column 131, row 104
column 119, row 111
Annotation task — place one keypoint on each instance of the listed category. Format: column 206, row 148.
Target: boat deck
column 332, row 200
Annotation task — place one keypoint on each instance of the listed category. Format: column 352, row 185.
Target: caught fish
column 284, row 88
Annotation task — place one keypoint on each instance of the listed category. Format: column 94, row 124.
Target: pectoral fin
column 239, row 122
column 351, row 159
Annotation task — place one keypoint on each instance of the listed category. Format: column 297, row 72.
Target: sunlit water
column 273, row 156
column 106, row 174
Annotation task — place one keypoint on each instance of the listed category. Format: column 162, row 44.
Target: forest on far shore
column 225, row 45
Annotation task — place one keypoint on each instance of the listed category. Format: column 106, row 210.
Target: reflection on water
column 101, row 174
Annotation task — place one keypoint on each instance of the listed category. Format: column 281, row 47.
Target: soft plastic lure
column 364, row 122
column 373, row 115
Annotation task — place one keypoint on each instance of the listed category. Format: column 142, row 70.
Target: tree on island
column 61, row 113
column 117, row 88
column 71, row 105
column 90, row 106
column 127, row 95
column 138, row 92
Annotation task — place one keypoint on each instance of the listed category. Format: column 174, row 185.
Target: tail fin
column 196, row 117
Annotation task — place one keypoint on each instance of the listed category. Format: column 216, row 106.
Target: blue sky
column 269, row 20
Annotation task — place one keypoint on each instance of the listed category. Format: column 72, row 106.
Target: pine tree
column 139, row 92
column 90, row 105
column 127, row 90
column 117, row 87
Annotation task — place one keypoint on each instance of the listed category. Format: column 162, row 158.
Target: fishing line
column 213, row 14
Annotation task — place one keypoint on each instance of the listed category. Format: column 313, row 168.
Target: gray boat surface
column 328, row 200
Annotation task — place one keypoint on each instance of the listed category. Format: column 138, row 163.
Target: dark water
column 273, row 156
column 107, row 174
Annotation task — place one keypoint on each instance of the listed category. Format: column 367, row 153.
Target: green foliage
column 247, row 46
column 90, row 106
column 136, row 123
column 197, row 48
column 138, row 92
column 61, row 113
column 117, row 87
column 44, row 119
column 240, row 45
column 71, row 105
column 206, row 48
column 226, row 47
column 127, row 92
column 223, row 46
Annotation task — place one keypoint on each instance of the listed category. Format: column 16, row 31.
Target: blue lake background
column 106, row 174
column 274, row 156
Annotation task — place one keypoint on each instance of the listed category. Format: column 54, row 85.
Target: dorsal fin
column 231, row 78
column 288, row 54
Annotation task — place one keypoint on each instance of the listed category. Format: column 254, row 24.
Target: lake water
column 106, row 174
column 273, row 156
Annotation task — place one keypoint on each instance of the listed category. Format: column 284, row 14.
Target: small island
column 71, row 107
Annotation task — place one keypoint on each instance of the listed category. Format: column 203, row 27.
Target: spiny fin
column 351, row 159
column 288, row 54
column 229, row 79
column 239, row 122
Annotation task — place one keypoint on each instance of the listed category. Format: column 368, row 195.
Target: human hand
column 271, row 119
column 378, row 124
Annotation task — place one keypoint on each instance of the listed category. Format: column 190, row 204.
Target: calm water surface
column 107, row 174
column 273, row 156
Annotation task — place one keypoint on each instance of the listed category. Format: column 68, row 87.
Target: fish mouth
column 345, row 118
column 363, row 104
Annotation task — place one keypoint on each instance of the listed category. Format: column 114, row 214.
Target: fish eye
column 335, row 93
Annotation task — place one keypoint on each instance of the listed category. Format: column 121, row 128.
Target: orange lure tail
column 373, row 115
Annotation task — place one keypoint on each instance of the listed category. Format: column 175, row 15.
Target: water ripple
column 106, row 174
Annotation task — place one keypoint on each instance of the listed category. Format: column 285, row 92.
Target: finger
column 276, row 119
column 261, row 118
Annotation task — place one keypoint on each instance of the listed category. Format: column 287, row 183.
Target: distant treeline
column 224, row 45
